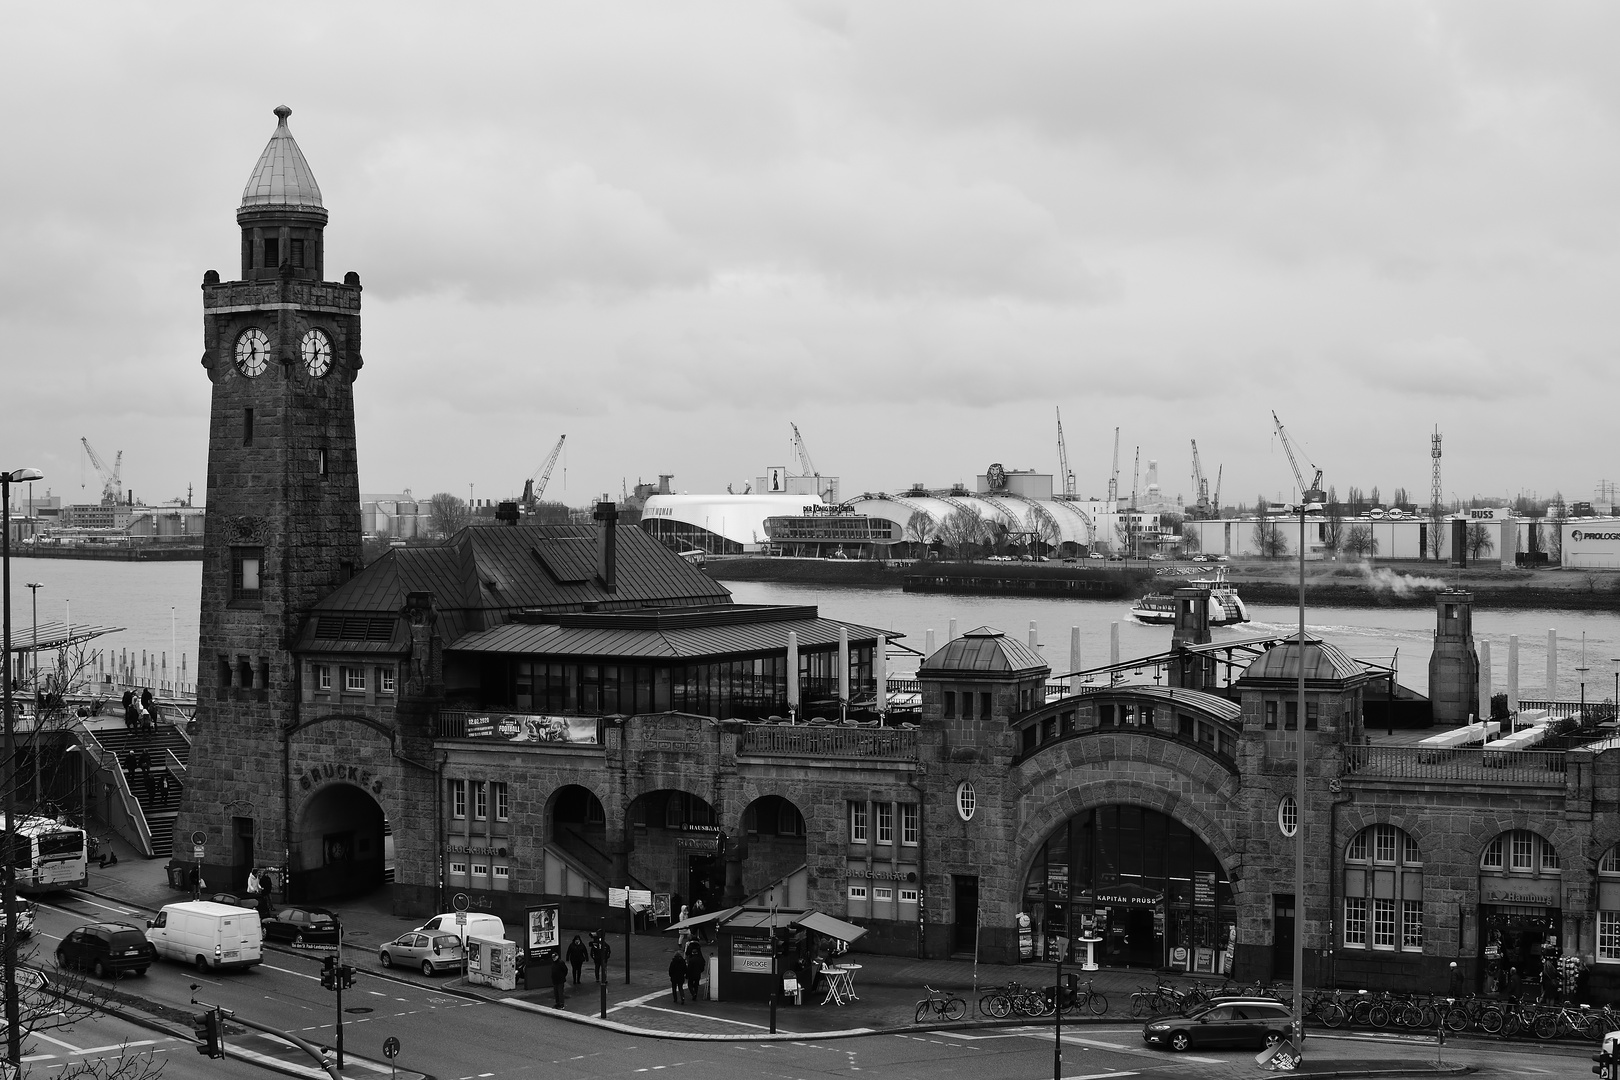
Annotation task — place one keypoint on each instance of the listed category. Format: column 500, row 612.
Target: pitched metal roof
column 1323, row 663
column 631, row 636
column 1224, row 708
column 985, row 651
column 282, row 177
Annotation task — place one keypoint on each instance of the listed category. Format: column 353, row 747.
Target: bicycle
column 940, row 1003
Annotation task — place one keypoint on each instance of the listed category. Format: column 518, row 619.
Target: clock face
column 317, row 350
column 252, row 353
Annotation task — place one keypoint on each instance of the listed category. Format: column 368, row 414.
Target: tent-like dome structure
column 282, row 177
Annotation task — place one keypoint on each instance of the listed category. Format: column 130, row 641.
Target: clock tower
column 281, row 347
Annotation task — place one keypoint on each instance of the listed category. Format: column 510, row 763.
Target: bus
column 50, row 855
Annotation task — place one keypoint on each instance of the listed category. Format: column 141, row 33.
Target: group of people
column 140, row 714
column 574, row 958
column 138, row 766
column 686, row 972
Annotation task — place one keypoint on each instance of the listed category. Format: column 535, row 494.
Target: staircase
column 154, row 792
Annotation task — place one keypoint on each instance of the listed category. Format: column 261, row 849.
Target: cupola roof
column 984, row 651
column 282, row 177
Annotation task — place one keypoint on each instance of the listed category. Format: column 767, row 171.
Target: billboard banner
column 543, row 928
column 508, row 727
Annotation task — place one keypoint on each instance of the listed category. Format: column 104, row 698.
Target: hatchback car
column 312, row 925
column 431, row 951
column 1241, row 1022
column 106, row 949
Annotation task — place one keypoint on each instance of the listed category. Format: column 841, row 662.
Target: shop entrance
column 705, row 881
column 1517, row 938
column 1282, row 938
column 337, row 850
column 965, row 930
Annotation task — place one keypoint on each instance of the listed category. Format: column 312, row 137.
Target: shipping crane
column 1307, row 495
column 533, row 488
column 1200, row 486
column 1215, row 499
column 1136, row 472
column 1063, row 458
column 830, row 494
column 112, row 488
column 1113, row 476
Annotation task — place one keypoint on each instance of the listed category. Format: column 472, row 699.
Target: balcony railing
column 812, row 742
column 1473, row 764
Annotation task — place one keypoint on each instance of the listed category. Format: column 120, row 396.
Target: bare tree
column 1333, row 524
column 449, row 514
column 1437, row 533
column 1479, row 541
column 1268, row 537
column 919, row 528
column 1360, row 541
column 1190, row 537
column 1043, row 530
column 960, row 530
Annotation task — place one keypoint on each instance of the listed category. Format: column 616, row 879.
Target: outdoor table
column 840, row 987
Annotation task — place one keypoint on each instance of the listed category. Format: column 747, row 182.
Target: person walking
column 694, row 969
column 148, row 711
column 1515, row 984
column 129, row 709
column 677, row 977
column 559, row 978
column 576, row 956
column 600, row 950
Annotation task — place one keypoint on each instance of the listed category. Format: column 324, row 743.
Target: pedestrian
column 600, row 951
column 148, row 710
column 677, row 977
column 144, row 762
column 129, row 709
column 697, row 909
column 576, row 956
column 1515, row 984
column 559, row 977
column 694, row 969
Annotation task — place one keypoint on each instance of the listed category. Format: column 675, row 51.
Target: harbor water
column 156, row 604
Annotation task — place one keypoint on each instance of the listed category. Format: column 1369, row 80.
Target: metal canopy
column 55, row 635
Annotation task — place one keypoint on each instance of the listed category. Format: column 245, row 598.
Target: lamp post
column 1615, row 660
column 33, row 589
column 8, row 883
column 1311, row 501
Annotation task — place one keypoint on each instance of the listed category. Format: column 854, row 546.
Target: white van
column 478, row 925
column 207, row 934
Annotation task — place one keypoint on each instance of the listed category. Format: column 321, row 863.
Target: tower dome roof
column 282, row 177
column 987, row 652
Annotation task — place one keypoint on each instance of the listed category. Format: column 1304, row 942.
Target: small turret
column 283, row 220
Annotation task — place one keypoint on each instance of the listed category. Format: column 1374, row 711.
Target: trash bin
column 177, row 876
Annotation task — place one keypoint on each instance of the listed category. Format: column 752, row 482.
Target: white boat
column 1225, row 606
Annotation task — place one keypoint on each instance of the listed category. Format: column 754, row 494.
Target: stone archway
column 576, row 822
column 774, row 847
column 672, row 844
column 337, row 848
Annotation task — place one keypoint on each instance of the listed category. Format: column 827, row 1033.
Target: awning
column 702, row 920
column 831, row 927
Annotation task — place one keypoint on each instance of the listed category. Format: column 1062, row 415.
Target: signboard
column 1057, row 881
column 752, row 955
column 543, row 928
column 660, row 905
column 1204, row 888
column 508, row 727
column 390, row 1048
column 697, row 843
column 197, row 853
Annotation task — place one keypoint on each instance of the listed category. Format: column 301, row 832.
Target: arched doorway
column 579, row 827
column 337, row 849
column 1141, row 881
column 773, row 828
column 1521, row 902
column 677, row 847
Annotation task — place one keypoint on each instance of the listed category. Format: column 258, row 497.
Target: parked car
column 1099, row 556
column 477, row 924
column 432, row 951
column 207, row 934
column 1241, row 1022
column 107, row 948
column 1200, row 558
column 1157, row 556
column 233, row 900
column 312, row 925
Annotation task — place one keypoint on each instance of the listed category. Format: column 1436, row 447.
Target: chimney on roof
column 607, row 544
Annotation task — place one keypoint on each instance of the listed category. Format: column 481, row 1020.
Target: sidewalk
column 889, row 987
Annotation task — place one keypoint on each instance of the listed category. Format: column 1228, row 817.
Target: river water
column 157, row 604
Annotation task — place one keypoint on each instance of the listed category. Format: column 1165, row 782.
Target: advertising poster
column 544, row 930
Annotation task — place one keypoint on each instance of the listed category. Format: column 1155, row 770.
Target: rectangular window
column 480, row 800
column 882, row 894
column 385, row 680
column 1271, row 714
column 1105, row 715
column 458, row 868
column 908, row 896
column 297, row 252
column 480, row 870
column 247, row 427
column 857, row 892
column 503, row 805
column 1383, row 912
column 857, row 823
column 502, row 873
column 908, row 824
column 967, row 705
column 1608, row 935
column 1291, row 717
column 1312, row 714
column 1493, row 855
column 1549, row 856
column 354, row 680
column 950, row 704
column 1147, row 716
column 247, row 573
column 1610, row 863
column 272, row 252
column 1522, row 850
column 1355, row 922
column 1384, row 843
column 885, row 823
column 1411, row 856
column 323, row 677
column 984, row 706
column 1412, row 925
column 458, row 798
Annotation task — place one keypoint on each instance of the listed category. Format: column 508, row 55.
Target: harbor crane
column 1063, row 458
column 112, row 484
column 1200, row 486
column 830, row 493
column 1307, row 495
column 1113, row 476
column 533, row 488
column 1215, row 499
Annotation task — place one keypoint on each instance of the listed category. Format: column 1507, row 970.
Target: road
column 451, row 1037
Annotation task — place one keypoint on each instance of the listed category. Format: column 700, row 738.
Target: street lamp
column 8, row 882
column 1311, row 502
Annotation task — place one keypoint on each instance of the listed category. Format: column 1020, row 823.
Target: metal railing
column 1475, row 764
column 802, row 741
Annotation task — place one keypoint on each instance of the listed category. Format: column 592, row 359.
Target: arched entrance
column 1521, row 909
column 579, row 827
column 773, row 829
column 1141, row 881
column 676, row 847
column 337, row 848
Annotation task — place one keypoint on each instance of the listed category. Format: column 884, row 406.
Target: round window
column 966, row 800
column 1288, row 815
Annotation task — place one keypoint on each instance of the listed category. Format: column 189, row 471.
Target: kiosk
column 756, row 948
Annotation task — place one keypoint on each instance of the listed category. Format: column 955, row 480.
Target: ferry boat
column 1225, row 606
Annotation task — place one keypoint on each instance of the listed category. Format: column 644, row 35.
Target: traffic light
column 1605, row 1064
column 329, row 973
column 207, row 1027
column 346, row 976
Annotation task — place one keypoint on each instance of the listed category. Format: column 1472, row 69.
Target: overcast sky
column 669, row 229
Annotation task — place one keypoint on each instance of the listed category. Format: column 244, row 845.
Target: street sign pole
column 339, row 973
column 391, row 1051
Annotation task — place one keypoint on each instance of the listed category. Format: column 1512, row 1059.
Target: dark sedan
column 302, row 925
column 107, row 949
column 1227, row 1023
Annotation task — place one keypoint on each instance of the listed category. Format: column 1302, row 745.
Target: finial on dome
column 282, row 112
